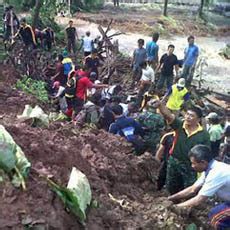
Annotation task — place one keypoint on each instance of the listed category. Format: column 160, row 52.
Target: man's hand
column 156, row 103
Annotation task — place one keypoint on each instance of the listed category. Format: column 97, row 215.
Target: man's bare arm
column 170, row 117
column 195, row 201
column 184, row 193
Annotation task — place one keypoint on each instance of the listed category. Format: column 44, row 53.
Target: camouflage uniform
column 179, row 175
column 153, row 124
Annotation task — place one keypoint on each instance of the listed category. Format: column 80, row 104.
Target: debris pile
column 122, row 184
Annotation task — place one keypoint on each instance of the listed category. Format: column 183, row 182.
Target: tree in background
column 21, row 4
column 201, row 8
column 165, row 8
column 35, row 17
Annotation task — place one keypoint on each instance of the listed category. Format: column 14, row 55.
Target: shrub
column 34, row 87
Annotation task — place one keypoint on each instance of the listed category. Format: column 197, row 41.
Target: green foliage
column 77, row 196
column 16, row 3
column 34, row 87
column 47, row 15
column 21, row 4
column 94, row 3
column 68, row 198
column 60, row 36
column 12, row 158
column 88, row 5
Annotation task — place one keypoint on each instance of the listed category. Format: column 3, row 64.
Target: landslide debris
column 123, row 185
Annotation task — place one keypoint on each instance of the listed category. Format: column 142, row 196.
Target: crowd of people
column 160, row 119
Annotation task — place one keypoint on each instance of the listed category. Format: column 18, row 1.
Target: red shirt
column 60, row 69
column 82, row 73
column 82, row 85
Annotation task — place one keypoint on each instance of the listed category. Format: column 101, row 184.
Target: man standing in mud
column 189, row 133
column 152, row 51
column 190, row 58
column 214, row 180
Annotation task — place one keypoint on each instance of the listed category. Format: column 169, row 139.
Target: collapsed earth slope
column 123, row 185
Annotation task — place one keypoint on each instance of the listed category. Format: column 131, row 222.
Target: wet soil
column 108, row 163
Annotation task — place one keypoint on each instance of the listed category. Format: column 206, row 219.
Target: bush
column 21, row 4
column 34, row 87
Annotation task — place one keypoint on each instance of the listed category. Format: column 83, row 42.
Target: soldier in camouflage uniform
column 153, row 124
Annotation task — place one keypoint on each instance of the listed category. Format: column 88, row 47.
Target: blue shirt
column 126, row 122
column 152, row 50
column 139, row 55
column 191, row 53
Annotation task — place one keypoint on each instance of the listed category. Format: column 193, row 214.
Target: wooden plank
column 217, row 102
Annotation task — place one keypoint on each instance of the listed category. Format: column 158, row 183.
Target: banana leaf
column 77, row 196
column 36, row 114
column 12, row 158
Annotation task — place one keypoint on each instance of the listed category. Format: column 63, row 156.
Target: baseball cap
column 181, row 83
column 212, row 115
column 93, row 74
column 56, row 84
column 65, row 53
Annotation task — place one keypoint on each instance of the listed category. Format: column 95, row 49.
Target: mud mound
column 110, row 167
column 12, row 101
column 101, row 157
column 8, row 74
column 123, row 184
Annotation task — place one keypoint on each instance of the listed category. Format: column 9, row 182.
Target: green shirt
column 185, row 142
column 215, row 132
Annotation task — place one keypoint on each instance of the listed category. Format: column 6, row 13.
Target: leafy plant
column 77, row 196
column 34, row 87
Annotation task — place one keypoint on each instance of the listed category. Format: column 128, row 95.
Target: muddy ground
column 106, row 160
column 147, row 18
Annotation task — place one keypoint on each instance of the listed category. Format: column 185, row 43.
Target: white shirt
column 107, row 93
column 60, row 91
column 216, row 182
column 125, row 108
column 62, row 100
column 87, row 44
column 227, row 123
column 148, row 74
